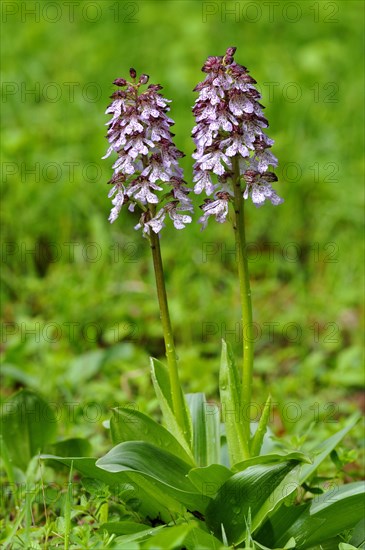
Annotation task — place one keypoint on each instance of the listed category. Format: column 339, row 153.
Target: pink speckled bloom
column 229, row 124
column 147, row 174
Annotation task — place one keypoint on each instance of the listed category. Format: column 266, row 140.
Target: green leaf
column 161, row 383
column 130, row 425
column 164, row 470
column 209, row 479
column 325, row 517
column 229, row 388
column 254, row 493
column 148, row 498
column 75, row 446
column 84, row 367
column 198, row 539
column 281, row 520
column 206, row 429
column 87, row 467
column 27, row 425
column 134, row 534
column 270, row 459
column 169, row 538
column 258, row 438
column 324, row 449
column 358, row 534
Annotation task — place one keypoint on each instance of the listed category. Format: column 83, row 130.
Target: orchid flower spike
column 229, row 123
column 147, row 174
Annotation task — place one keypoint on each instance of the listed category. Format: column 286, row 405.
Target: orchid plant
column 198, row 480
column 233, row 148
column 237, row 500
column 147, row 164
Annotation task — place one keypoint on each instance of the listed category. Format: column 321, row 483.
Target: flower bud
column 155, row 87
column 231, row 51
column 120, row 82
column 143, row 79
column 132, row 72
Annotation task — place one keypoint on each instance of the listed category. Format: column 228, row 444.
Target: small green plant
column 207, row 477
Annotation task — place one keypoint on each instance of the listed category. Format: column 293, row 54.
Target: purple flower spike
column 229, row 123
column 147, row 172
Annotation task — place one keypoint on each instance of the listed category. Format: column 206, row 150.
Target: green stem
column 176, row 393
column 245, row 293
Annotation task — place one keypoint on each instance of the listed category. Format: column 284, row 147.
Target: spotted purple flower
column 147, row 174
column 217, row 207
column 229, row 124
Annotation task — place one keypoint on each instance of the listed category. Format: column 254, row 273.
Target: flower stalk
column 176, row 393
column 245, row 295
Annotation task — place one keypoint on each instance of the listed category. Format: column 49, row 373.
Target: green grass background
column 97, row 322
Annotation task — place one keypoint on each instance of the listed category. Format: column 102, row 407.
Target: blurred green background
column 80, row 316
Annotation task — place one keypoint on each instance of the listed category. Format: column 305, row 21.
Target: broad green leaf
column 169, row 538
column 279, row 523
column 358, row 534
column 198, row 539
column 206, row 429
column 258, row 438
column 324, row 449
column 209, row 479
column 252, row 493
column 130, row 425
column 85, row 466
column 282, row 519
column 287, row 486
column 270, row 459
column 161, row 383
column 164, row 470
column 229, row 389
column 28, row 424
column 149, row 499
column 314, row 523
column 75, row 446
